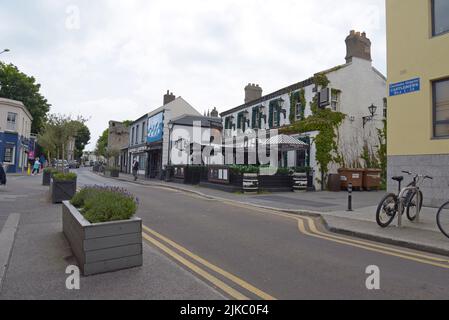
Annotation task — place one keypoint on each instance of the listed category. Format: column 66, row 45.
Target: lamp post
column 5, row 50
column 372, row 109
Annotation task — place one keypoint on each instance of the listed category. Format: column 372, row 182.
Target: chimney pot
column 358, row 45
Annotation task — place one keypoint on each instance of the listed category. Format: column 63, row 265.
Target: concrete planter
column 250, row 183
column 102, row 247
column 112, row 173
column 62, row 190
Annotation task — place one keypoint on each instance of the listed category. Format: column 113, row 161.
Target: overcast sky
column 114, row 59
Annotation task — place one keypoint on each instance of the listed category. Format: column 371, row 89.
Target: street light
column 5, row 50
column 372, row 109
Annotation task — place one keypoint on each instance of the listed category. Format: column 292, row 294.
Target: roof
column 206, row 122
column 17, row 104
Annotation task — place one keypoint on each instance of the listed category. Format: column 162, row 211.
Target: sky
column 115, row 59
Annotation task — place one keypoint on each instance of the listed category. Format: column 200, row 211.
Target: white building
column 15, row 135
column 150, row 136
column 353, row 88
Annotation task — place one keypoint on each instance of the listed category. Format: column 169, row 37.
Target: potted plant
column 103, row 233
column 63, row 187
column 47, row 175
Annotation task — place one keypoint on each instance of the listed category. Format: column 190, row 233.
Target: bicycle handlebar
column 417, row 175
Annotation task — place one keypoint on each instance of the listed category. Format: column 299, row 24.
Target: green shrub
column 242, row 169
column 105, row 204
column 64, row 176
column 50, row 170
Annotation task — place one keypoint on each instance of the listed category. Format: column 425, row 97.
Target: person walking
column 2, row 175
column 36, row 167
column 135, row 169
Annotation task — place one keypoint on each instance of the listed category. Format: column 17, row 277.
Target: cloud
column 126, row 54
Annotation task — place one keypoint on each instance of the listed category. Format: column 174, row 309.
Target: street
column 252, row 253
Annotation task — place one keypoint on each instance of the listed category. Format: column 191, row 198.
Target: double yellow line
column 200, row 266
column 308, row 227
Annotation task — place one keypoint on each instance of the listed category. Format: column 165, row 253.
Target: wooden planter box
column 102, row 247
column 62, row 190
column 372, row 179
column 112, row 174
column 46, row 178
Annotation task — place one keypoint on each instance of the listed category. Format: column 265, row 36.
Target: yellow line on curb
column 229, row 276
column 347, row 241
column 217, row 282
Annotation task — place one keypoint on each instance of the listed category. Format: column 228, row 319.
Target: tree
column 16, row 85
column 56, row 133
column 102, row 144
column 82, row 139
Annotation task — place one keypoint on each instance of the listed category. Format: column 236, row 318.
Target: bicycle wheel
column 411, row 205
column 443, row 219
column 387, row 210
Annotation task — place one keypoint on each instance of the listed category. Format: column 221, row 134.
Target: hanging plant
column 327, row 123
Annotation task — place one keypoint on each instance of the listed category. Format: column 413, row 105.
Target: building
column 149, row 136
column 418, row 103
column 190, row 136
column 353, row 88
column 16, row 143
column 118, row 139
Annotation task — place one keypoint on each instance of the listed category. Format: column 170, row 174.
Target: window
column 275, row 117
column 132, row 136
column 385, row 108
column 9, row 154
column 257, row 124
column 441, row 108
column 298, row 113
column 137, row 134
column 143, row 132
column 335, row 100
column 11, row 121
column 440, row 14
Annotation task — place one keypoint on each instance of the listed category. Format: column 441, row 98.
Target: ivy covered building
column 349, row 89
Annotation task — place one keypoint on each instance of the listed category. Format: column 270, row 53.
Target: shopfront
column 155, row 146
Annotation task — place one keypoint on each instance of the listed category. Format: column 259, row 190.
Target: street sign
column 405, row 87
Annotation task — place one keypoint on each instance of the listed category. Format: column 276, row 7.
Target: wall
column 414, row 53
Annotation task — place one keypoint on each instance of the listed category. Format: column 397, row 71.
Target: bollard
column 350, row 197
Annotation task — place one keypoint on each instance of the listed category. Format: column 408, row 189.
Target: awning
column 285, row 143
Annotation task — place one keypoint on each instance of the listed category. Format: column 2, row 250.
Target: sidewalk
column 36, row 255
column 424, row 236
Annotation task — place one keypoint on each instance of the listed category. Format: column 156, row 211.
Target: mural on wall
column 155, row 128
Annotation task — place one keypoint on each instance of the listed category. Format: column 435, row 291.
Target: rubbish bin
column 372, row 179
column 334, row 183
column 354, row 176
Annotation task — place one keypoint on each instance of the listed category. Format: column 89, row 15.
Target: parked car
column 74, row 164
column 61, row 164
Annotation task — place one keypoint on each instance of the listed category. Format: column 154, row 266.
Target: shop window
column 9, row 155
column 440, row 14
column 441, row 108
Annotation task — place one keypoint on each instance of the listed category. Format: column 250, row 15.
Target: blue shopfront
column 14, row 151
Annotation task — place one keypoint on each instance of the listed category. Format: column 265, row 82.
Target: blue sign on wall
column 405, row 87
column 155, row 128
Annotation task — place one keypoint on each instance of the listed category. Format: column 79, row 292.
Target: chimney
column 214, row 113
column 358, row 45
column 252, row 92
column 169, row 97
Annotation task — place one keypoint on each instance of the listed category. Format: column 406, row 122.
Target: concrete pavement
column 40, row 255
column 332, row 206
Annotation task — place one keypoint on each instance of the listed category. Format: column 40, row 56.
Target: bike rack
column 401, row 208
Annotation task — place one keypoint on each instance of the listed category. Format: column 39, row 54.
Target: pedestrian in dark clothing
column 2, row 175
column 135, row 169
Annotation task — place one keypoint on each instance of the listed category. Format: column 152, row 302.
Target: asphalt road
column 259, row 254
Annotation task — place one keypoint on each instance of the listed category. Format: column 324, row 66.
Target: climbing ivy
column 327, row 123
column 295, row 97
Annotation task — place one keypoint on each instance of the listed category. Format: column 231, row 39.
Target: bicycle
column 409, row 199
column 443, row 219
